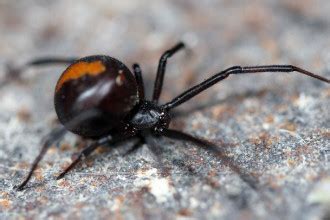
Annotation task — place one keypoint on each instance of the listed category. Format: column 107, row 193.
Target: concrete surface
column 275, row 126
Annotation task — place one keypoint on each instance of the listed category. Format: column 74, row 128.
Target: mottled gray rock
column 275, row 126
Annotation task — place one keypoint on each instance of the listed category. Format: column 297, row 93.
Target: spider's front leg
column 195, row 90
column 161, row 70
column 139, row 80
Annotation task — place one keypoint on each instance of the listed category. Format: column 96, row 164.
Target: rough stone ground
column 275, row 126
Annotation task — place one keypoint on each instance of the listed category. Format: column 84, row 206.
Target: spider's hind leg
column 48, row 141
column 14, row 72
column 94, row 145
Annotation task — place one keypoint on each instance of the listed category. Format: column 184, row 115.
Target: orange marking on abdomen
column 80, row 69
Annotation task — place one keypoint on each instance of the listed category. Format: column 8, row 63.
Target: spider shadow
column 232, row 99
column 187, row 168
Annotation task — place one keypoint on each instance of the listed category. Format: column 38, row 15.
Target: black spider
column 98, row 97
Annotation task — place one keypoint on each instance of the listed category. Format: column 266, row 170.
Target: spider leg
column 136, row 146
column 52, row 60
column 52, row 137
column 85, row 153
column 139, row 79
column 174, row 134
column 190, row 93
column 93, row 146
column 161, row 70
column 14, row 72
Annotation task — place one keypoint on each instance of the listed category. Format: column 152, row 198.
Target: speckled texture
column 276, row 126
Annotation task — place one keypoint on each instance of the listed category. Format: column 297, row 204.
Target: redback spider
column 98, row 97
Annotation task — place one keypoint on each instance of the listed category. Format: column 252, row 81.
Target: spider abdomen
column 94, row 94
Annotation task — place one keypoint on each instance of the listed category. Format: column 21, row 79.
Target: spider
column 98, row 97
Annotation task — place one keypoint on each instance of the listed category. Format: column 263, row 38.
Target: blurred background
column 277, row 124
